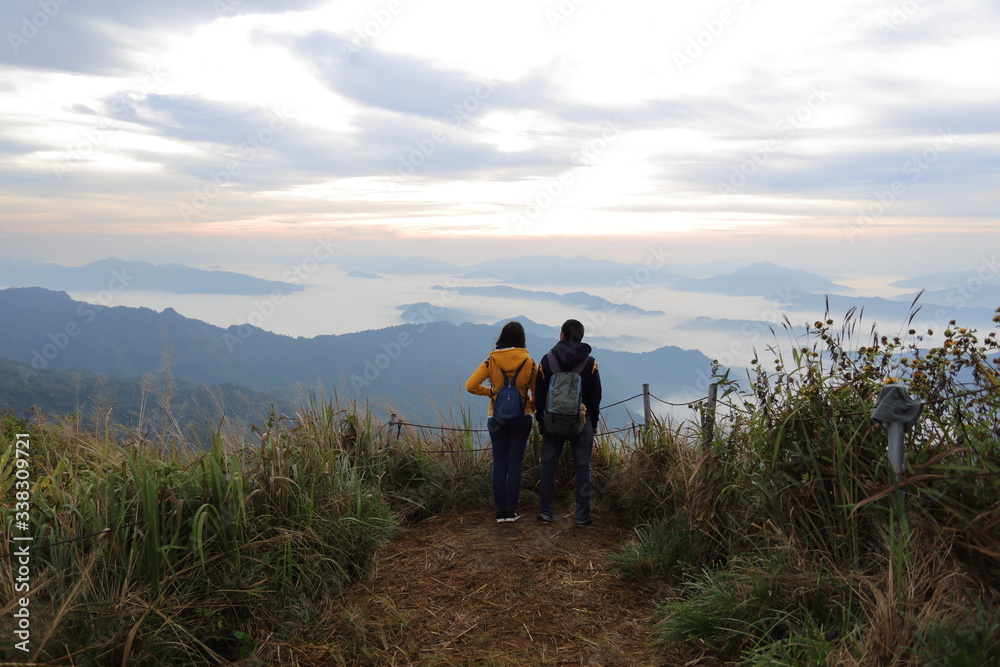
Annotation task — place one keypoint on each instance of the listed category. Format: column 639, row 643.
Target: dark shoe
column 544, row 518
column 512, row 517
column 584, row 522
column 501, row 517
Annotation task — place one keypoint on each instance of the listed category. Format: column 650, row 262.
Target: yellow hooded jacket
column 507, row 359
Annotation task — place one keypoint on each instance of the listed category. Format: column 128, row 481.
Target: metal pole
column 896, row 454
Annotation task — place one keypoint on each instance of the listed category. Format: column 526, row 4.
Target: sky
column 849, row 136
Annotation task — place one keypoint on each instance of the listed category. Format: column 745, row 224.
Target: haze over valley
column 338, row 324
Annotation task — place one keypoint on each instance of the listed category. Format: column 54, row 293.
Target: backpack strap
column 513, row 377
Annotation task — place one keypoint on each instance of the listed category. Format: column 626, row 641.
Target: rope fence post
column 646, row 411
column 708, row 425
column 388, row 434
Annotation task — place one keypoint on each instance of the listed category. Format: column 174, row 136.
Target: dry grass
column 462, row 589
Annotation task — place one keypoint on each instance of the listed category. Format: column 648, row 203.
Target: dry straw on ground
column 462, row 589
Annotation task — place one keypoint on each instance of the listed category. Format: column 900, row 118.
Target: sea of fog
column 722, row 327
column 334, row 302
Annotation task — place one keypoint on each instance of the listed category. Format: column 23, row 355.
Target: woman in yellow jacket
column 511, row 361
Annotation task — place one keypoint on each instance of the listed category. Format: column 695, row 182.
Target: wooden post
column 388, row 432
column 709, row 425
column 646, row 412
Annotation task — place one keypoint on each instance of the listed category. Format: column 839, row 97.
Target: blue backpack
column 508, row 404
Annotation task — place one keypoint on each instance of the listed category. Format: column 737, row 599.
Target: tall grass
column 791, row 539
column 197, row 554
column 784, row 540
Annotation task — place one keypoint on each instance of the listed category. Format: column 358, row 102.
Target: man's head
column 572, row 330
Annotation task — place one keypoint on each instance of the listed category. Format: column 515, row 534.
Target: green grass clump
column 797, row 467
column 195, row 554
column 660, row 552
column 758, row 609
column 970, row 638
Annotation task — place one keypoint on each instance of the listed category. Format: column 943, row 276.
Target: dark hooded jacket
column 568, row 356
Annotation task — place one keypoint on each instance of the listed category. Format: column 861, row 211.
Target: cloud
column 388, row 81
column 427, row 125
column 101, row 37
column 201, row 120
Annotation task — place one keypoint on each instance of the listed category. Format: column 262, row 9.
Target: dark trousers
column 509, row 442
column 582, row 445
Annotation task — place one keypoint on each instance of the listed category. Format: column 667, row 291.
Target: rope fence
column 106, row 531
column 679, row 405
column 708, row 425
column 624, row 400
column 399, row 423
column 710, row 403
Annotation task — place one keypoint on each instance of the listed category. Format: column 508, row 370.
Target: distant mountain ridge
column 889, row 314
column 524, row 270
column 763, row 279
column 961, row 296
column 196, row 407
column 552, row 270
column 356, row 273
column 396, row 265
column 115, row 275
column 987, row 275
column 421, row 367
column 575, row 299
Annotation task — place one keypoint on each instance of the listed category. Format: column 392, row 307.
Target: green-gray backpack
column 565, row 413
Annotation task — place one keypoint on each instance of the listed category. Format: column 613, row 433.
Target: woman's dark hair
column 512, row 335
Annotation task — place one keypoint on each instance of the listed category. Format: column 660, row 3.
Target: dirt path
column 462, row 589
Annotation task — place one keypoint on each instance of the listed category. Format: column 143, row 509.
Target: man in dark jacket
column 569, row 354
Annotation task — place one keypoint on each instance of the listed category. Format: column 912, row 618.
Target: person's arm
column 541, row 393
column 593, row 394
column 474, row 385
column 529, row 390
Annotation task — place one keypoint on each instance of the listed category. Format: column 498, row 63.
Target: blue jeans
column 581, row 444
column 509, row 442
